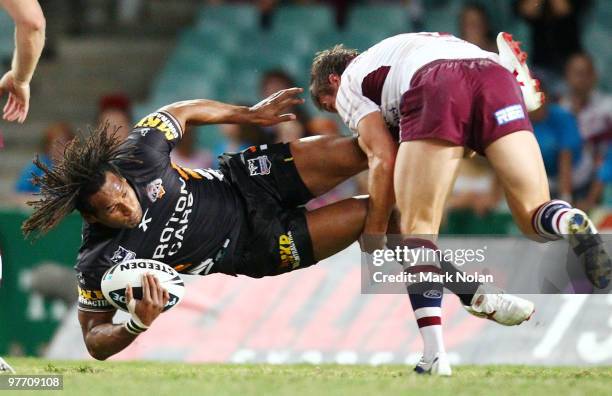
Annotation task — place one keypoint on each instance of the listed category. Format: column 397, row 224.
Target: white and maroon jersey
column 377, row 78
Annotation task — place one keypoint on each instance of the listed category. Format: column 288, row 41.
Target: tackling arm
column 381, row 149
column 267, row 112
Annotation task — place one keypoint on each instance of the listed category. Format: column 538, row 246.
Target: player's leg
column 425, row 170
column 325, row 161
column 518, row 164
column 517, row 161
column 334, row 227
column 296, row 172
column 424, row 174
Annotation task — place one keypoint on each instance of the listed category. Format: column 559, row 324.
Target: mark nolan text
column 419, row 277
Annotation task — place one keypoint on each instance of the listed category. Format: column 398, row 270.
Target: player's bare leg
column 325, row 161
column 334, row 227
column 518, row 163
column 424, row 174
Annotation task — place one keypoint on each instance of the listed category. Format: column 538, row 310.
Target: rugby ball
column 117, row 277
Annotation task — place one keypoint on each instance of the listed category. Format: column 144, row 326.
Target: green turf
column 149, row 378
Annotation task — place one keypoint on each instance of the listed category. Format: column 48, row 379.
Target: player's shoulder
column 160, row 120
column 373, row 56
column 97, row 243
column 148, row 146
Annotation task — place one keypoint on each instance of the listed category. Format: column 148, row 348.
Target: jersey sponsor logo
column 147, row 265
column 289, row 255
column 155, row 190
column 92, row 298
column 144, row 223
column 259, row 165
column 509, row 114
column 173, row 234
column 162, row 123
column 433, row 293
column 122, row 254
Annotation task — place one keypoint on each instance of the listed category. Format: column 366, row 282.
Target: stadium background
column 140, row 55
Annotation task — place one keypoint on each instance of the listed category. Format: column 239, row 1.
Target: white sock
column 433, row 341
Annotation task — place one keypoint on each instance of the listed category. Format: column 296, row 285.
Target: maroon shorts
column 468, row 102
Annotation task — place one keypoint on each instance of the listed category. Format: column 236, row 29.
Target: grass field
column 150, row 378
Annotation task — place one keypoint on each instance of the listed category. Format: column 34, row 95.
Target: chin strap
column 134, row 325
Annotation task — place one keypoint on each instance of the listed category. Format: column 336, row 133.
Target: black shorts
column 276, row 239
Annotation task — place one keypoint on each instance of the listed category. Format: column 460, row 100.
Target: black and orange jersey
column 191, row 218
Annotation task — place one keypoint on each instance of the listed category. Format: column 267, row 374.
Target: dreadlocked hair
column 69, row 184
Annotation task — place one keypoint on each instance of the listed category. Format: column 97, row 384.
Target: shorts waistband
column 427, row 66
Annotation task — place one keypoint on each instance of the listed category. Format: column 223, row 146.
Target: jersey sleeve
column 159, row 131
column 351, row 104
column 90, row 269
column 150, row 143
column 90, row 293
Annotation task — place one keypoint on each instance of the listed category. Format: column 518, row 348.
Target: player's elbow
column 34, row 22
column 99, row 357
column 383, row 163
column 95, row 350
column 97, row 354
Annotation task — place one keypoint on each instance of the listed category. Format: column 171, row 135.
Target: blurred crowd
column 574, row 127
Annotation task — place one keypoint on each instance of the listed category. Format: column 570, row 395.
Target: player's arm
column 380, row 148
column 29, row 42
column 269, row 111
column 103, row 338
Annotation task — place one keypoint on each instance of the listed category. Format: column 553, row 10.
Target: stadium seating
column 596, row 40
column 387, row 20
column 442, row 16
column 243, row 17
column 314, row 18
column 602, row 13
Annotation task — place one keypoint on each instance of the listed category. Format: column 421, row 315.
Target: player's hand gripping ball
column 117, row 277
